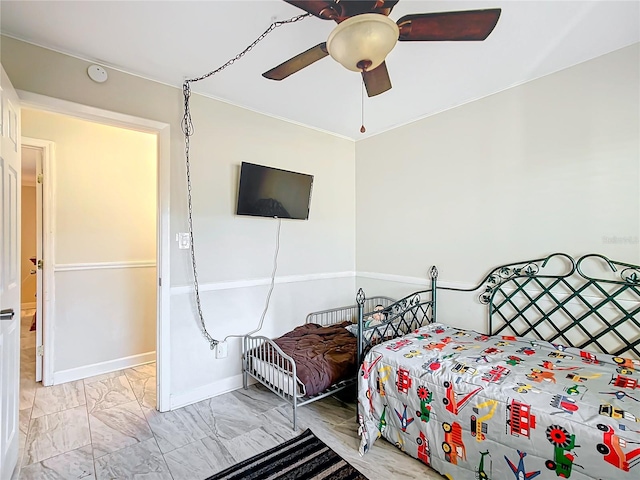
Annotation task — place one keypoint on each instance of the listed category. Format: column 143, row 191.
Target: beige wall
column 105, row 189
column 105, row 212
column 551, row 165
column 229, row 247
column 28, row 248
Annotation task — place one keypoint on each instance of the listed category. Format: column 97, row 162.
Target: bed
column 551, row 389
column 322, row 357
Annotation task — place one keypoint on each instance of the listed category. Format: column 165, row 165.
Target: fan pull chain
column 362, row 129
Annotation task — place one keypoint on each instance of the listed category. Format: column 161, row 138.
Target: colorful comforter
column 498, row 407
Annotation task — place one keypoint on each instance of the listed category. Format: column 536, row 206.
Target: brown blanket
column 323, row 355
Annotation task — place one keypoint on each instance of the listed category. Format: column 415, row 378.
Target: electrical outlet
column 222, row 349
column 184, row 240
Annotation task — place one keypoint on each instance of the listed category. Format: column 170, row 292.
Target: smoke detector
column 97, row 73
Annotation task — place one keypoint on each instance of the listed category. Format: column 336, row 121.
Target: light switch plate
column 184, row 240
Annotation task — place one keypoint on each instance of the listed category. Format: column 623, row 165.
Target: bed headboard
column 589, row 303
column 592, row 302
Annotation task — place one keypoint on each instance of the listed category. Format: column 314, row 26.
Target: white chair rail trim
column 426, row 281
column 70, row 267
column 258, row 282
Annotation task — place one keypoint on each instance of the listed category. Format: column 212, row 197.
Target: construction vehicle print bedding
column 474, row 406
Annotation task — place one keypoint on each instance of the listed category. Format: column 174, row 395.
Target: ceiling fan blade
column 327, row 10
column 377, row 81
column 386, row 7
column 448, row 26
column 298, row 62
column 341, row 10
column 356, row 7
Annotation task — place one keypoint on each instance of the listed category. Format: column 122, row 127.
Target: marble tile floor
column 106, row 427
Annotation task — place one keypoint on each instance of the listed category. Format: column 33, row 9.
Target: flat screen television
column 271, row 192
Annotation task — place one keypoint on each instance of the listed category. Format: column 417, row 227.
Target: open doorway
column 100, row 257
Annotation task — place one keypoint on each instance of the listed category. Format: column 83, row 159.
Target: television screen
column 271, row 192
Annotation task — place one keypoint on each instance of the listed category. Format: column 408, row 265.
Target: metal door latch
column 7, row 314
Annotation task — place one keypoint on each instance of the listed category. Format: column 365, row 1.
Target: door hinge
column 40, row 351
column 39, row 264
column 40, row 177
column 160, row 281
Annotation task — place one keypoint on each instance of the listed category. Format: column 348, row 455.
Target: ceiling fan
column 365, row 35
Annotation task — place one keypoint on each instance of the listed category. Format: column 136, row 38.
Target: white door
column 10, row 172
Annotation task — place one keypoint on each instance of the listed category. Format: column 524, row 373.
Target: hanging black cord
column 187, row 129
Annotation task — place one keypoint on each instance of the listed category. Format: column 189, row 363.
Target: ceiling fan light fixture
column 363, row 42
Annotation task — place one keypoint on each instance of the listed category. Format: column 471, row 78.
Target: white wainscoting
column 105, row 317
column 87, row 371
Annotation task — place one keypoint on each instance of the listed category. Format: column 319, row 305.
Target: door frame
column 45, row 227
column 163, row 293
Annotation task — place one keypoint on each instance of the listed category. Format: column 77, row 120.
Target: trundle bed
column 551, row 390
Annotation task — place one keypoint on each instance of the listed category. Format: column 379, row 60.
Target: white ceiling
column 170, row 40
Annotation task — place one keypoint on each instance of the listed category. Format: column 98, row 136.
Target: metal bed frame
column 282, row 377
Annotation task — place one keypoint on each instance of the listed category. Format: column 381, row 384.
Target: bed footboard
column 263, row 350
column 398, row 318
column 266, row 362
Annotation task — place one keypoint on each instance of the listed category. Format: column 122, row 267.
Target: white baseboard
column 26, row 306
column 94, row 369
column 207, row 391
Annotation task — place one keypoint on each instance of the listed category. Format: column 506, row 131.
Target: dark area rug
column 303, row 457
